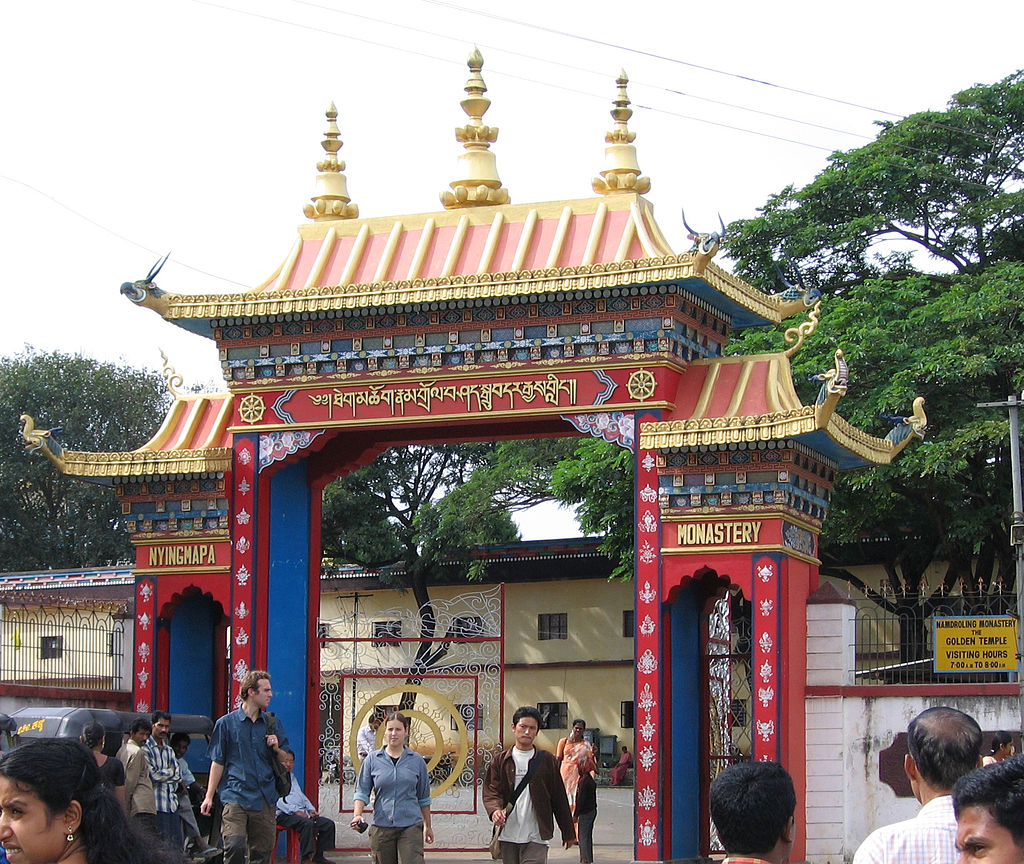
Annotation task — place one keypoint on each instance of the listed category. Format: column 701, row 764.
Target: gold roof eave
column 774, row 426
column 144, row 463
column 179, row 307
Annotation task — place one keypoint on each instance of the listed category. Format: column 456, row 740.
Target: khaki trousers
column 256, row 829
column 396, row 845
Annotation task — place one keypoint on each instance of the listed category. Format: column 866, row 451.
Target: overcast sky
column 135, row 128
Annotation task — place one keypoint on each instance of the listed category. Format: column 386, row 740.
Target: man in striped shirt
column 166, row 777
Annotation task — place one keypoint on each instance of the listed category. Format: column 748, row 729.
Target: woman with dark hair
column 111, row 768
column 55, row 808
column 568, row 753
column 401, row 810
column 1002, row 748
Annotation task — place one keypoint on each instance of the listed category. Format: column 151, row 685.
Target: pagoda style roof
column 193, row 439
column 746, row 400
column 482, row 253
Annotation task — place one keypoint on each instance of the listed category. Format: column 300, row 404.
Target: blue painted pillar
column 289, row 615
column 684, row 687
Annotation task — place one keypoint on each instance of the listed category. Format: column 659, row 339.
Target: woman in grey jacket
column 401, row 810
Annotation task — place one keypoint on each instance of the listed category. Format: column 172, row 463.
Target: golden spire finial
column 621, row 171
column 331, row 200
column 479, row 184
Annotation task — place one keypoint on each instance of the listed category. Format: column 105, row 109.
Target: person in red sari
column 625, row 762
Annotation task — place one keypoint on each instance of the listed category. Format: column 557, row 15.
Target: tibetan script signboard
column 983, row 643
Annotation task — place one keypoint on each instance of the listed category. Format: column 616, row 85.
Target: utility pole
column 1013, row 403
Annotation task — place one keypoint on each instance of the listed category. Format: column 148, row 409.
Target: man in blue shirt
column 164, row 773
column 240, row 752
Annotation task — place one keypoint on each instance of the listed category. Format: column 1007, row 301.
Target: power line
column 111, row 231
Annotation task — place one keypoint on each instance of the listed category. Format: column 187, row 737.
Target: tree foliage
column 599, row 479
column 48, row 520
column 946, row 325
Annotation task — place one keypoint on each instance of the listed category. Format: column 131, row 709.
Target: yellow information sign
column 983, row 643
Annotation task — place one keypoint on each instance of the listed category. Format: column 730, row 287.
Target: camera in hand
column 360, row 826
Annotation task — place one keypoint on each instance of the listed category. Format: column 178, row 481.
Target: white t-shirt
column 521, row 825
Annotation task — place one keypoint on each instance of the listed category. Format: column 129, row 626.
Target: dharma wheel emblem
column 641, row 385
column 251, row 408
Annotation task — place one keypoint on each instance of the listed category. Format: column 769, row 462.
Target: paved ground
column 613, row 837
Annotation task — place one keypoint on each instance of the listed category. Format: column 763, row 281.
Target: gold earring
column 71, row 834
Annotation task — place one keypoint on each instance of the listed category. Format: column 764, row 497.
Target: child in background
column 585, row 811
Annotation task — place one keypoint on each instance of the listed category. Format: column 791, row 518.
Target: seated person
column 296, row 811
column 618, row 774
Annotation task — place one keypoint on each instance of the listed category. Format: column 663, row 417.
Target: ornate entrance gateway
column 486, row 321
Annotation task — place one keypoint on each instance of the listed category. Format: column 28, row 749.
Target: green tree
column 48, row 520
column 598, row 479
column 946, row 325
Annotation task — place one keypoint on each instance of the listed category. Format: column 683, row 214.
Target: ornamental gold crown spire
column 621, row 171
column 331, row 200
column 479, row 184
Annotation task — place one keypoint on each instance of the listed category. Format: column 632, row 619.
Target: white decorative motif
column 648, row 495
column 766, row 672
column 241, row 670
column 766, row 729
column 647, row 553
column 244, row 487
column 647, row 463
column 647, row 729
column 144, row 621
column 647, row 625
column 242, row 545
column 142, row 706
column 144, row 651
column 648, row 834
column 765, row 643
column 648, row 757
column 765, row 572
column 647, row 700
column 648, row 523
column 766, row 607
column 648, row 663
column 765, row 695
column 243, row 637
column 242, row 575
column 245, row 455
column 242, row 611
column 143, row 677
column 646, row 797
column 243, row 517
column 648, row 593
column 766, row 757
column 146, row 590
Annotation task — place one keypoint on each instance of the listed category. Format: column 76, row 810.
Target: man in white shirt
column 366, row 737
column 296, row 811
column 944, row 745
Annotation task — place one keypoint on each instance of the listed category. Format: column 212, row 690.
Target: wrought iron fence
column 62, row 648
column 897, row 646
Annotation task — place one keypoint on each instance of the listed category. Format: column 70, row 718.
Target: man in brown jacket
column 139, row 797
column 528, row 827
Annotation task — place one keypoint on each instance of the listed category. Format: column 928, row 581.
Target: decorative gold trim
column 179, row 307
column 141, row 463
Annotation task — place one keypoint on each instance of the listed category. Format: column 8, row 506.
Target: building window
column 467, row 626
column 472, row 714
column 553, row 715
column 628, row 623
column 51, row 647
column 626, row 714
column 110, row 644
column 553, row 626
column 386, row 633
